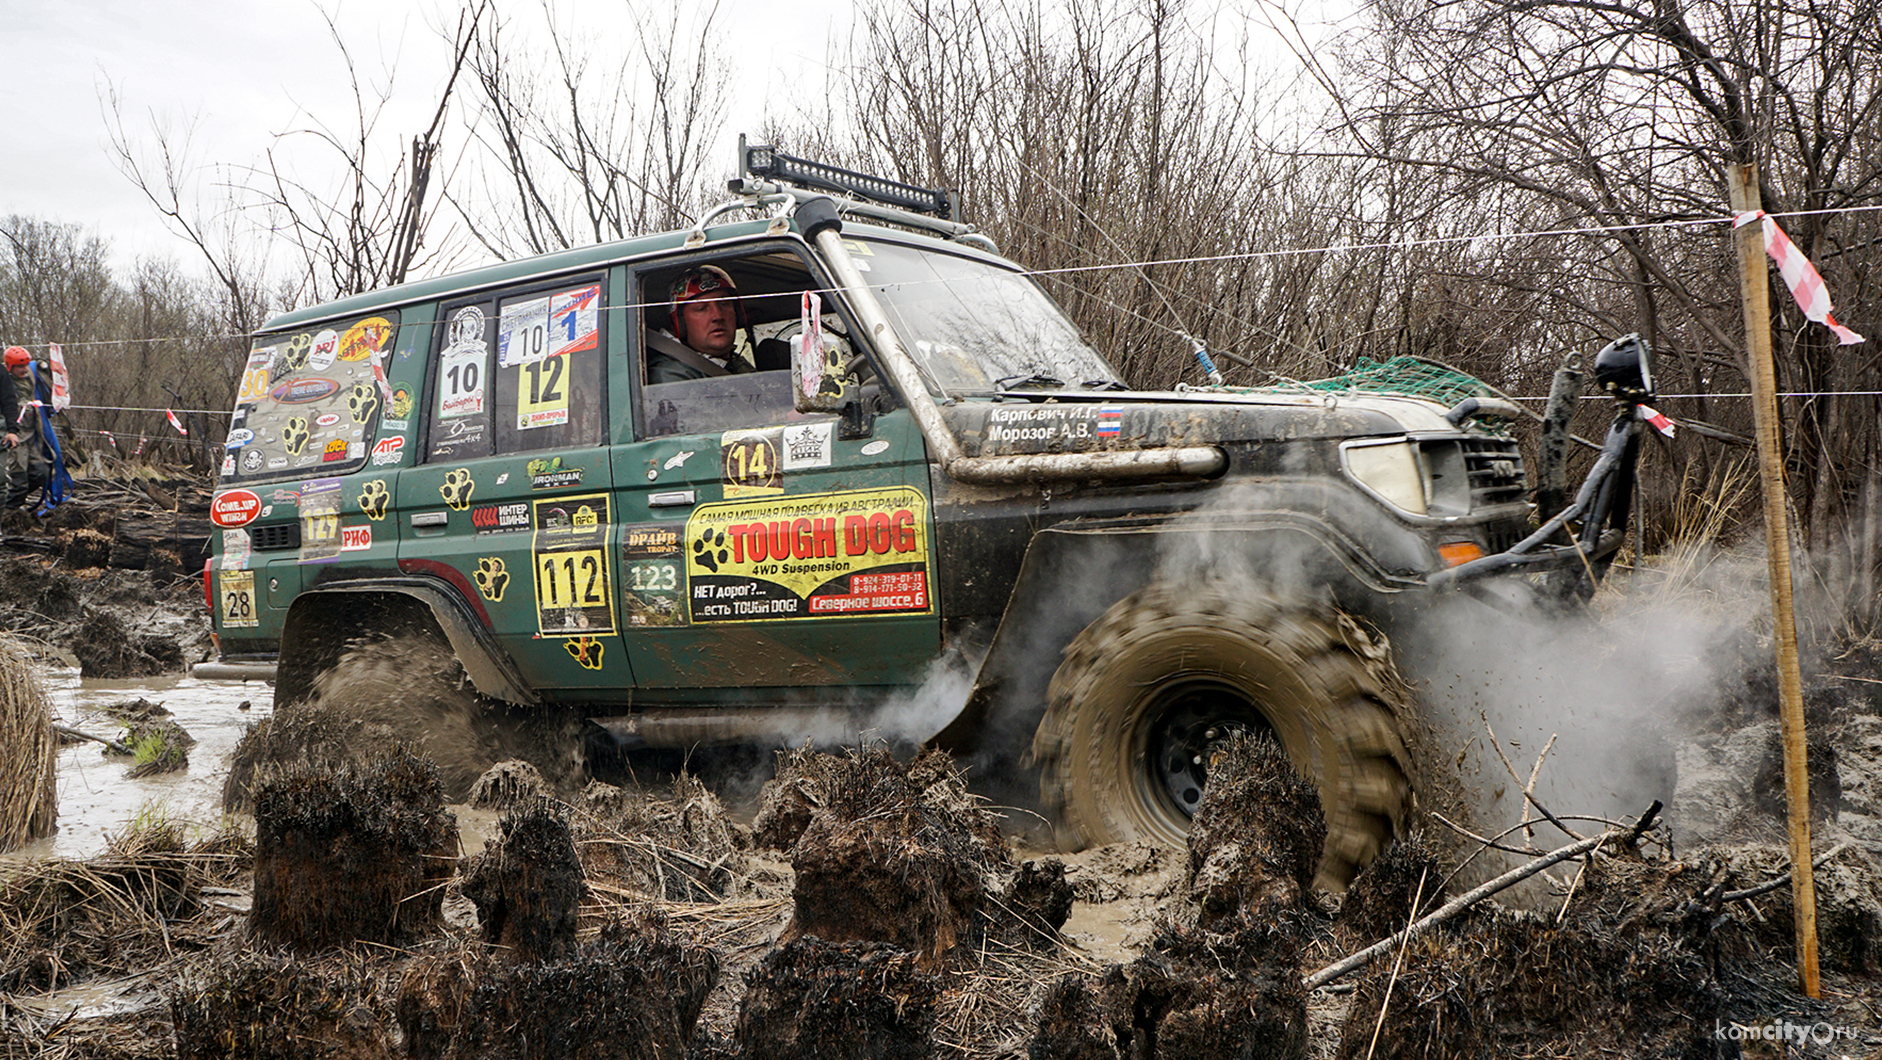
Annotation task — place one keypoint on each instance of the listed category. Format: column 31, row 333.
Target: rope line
column 1155, row 262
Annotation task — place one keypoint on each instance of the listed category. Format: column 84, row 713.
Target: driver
column 705, row 317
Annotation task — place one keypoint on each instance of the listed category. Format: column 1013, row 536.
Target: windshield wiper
column 1103, row 384
column 1036, row 379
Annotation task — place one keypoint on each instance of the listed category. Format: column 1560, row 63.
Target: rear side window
column 309, row 400
column 520, row 372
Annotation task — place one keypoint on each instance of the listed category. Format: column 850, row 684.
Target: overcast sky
column 238, row 72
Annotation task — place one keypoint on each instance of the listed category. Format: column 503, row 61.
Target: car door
column 514, row 502
column 762, row 548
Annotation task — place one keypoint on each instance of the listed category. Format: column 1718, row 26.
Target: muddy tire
column 413, row 685
column 1143, row 691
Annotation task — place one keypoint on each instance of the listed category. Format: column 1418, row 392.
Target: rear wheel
column 1167, row 671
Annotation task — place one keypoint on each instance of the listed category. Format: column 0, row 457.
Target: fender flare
column 324, row 618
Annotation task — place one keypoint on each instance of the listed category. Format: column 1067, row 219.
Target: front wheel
column 1168, row 670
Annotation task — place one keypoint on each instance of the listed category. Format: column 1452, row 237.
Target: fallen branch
column 1771, row 885
column 1454, row 907
column 116, row 747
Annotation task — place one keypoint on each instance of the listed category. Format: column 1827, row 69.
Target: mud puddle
column 97, row 798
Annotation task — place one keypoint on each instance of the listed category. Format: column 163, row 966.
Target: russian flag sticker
column 1110, row 421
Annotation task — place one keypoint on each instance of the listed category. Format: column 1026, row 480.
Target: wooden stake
column 1755, row 284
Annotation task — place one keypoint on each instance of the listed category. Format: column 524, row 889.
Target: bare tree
column 581, row 149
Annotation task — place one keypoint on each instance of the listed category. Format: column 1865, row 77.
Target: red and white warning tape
column 1800, row 276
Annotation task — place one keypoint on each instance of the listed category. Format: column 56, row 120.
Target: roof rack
column 764, row 173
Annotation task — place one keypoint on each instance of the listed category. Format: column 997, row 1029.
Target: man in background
column 29, row 462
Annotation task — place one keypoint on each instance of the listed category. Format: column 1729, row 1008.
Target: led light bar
column 763, row 161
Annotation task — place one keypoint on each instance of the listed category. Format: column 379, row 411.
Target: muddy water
column 97, row 800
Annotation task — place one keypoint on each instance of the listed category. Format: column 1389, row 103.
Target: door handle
column 671, row 499
column 430, row 518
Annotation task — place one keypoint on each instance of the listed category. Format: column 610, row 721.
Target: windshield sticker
column 653, row 574
column 816, row 556
column 304, row 391
column 461, row 382
column 362, row 401
column 575, row 320
column 807, row 445
column 570, row 565
column 523, row 332
column 749, row 463
column 542, row 393
column 253, row 459
column 366, row 339
column 236, row 588
column 326, row 345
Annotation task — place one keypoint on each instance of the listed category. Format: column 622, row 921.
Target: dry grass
column 29, row 794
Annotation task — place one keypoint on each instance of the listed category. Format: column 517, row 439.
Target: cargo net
column 1404, row 376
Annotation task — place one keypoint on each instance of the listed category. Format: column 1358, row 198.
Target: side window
column 521, row 372
column 309, row 400
column 716, row 341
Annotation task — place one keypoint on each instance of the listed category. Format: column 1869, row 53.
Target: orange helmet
column 17, row 356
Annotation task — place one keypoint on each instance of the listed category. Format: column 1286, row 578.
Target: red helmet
column 17, row 356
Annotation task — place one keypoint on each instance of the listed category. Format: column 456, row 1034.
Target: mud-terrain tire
column 1143, row 689
column 413, row 684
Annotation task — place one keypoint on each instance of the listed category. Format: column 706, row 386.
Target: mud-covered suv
column 925, row 507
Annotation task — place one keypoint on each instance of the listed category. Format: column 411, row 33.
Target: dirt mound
column 816, row 1000
column 159, row 746
column 676, row 842
column 303, row 739
column 506, row 785
column 896, row 853
column 272, row 1007
column 1257, row 836
column 358, row 854
column 1380, row 899
column 634, row 991
column 107, row 646
column 528, row 885
column 1634, row 958
column 116, row 623
column 1194, row 995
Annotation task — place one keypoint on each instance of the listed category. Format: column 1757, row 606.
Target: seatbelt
column 661, row 342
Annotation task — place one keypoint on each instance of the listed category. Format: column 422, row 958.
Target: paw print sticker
column 709, row 551
column 294, row 435
column 361, row 402
column 294, row 354
column 586, row 650
column 492, row 578
column 457, row 488
column 373, row 498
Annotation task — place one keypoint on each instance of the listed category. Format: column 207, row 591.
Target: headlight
column 1391, row 471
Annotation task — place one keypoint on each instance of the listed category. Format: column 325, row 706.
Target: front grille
column 275, row 537
column 1495, row 468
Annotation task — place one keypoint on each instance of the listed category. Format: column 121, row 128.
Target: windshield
column 975, row 327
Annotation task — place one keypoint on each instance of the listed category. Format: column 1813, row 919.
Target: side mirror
column 818, row 383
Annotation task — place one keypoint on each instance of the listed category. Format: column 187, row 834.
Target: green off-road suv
column 925, row 508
